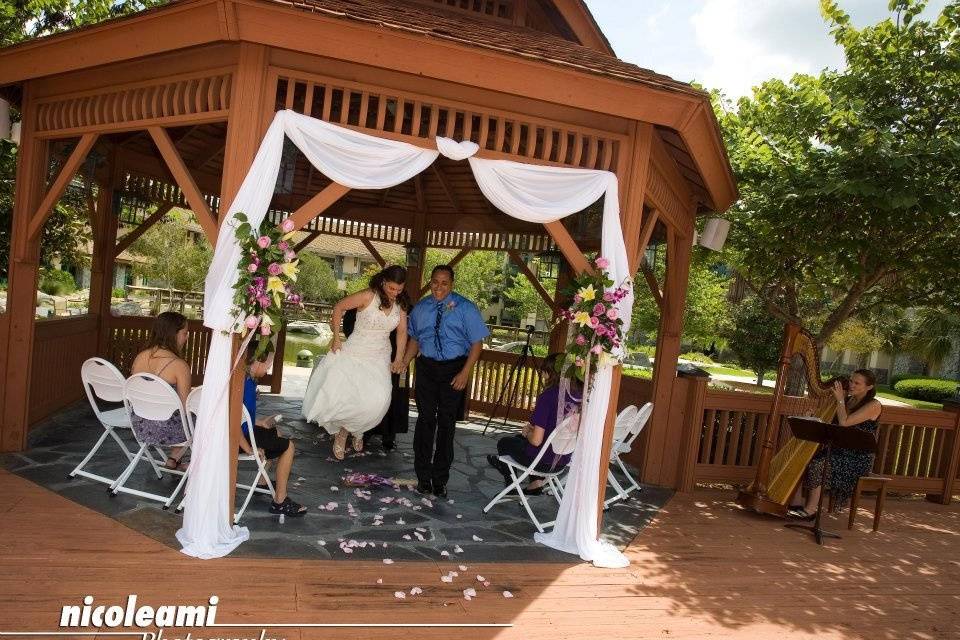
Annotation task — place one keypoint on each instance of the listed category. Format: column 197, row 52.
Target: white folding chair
column 102, row 381
column 152, row 398
column 193, row 409
column 561, row 441
column 622, row 441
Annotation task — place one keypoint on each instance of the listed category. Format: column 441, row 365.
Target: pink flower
column 289, row 256
column 596, row 349
column 264, row 301
column 598, row 309
column 251, row 267
column 274, row 269
column 265, row 330
column 286, row 226
column 581, row 340
column 579, row 362
column 282, row 245
column 251, row 322
column 601, row 330
column 594, row 322
column 577, row 299
column 612, row 313
column 602, row 263
column 263, row 242
column 608, row 297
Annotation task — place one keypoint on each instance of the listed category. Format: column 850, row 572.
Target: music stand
column 830, row 436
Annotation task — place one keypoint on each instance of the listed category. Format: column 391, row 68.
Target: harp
column 777, row 475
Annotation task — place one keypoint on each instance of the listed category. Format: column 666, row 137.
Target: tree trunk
column 759, row 377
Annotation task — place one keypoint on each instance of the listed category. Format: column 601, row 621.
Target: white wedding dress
column 351, row 388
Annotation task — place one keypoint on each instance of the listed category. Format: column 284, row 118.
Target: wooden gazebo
column 172, row 103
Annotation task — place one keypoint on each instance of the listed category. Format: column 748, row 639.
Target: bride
column 350, row 389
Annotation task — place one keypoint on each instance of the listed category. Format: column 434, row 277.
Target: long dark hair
column 871, row 380
column 397, row 275
column 163, row 334
column 550, row 365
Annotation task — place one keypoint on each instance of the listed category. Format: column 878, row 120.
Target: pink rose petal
column 387, row 561
column 507, row 594
column 399, row 595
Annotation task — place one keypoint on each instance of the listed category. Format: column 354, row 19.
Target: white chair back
column 563, row 440
column 640, row 420
column 152, row 398
column 101, row 380
column 623, row 423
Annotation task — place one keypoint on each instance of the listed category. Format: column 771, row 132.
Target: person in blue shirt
column 446, row 337
column 271, row 444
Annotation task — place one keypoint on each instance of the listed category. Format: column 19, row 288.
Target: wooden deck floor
column 701, row 570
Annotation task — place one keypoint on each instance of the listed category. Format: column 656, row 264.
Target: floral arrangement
column 268, row 269
column 598, row 329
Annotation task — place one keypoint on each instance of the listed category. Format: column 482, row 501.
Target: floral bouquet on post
column 267, row 271
column 598, row 330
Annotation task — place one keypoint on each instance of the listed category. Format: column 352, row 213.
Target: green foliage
column 856, row 336
column 707, row 312
column 643, row 374
column 934, row 334
column 696, row 356
column 55, row 282
column 929, row 390
column 526, row 300
column 848, row 179
column 756, row 337
column 362, row 281
column 479, row 276
column 119, row 292
column 315, row 280
column 173, row 259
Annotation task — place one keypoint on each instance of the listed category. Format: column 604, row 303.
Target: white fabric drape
column 529, row 192
column 349, row 158
column 545, row 194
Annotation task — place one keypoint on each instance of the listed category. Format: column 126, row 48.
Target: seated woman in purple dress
column 162, row 358
column 526, row 446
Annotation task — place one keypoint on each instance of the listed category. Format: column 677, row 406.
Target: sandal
column 176, row 465
column 288, row 508
column 800, row 514
column 340, row 445
column 358, row 443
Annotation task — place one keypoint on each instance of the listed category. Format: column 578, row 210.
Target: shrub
column 648, row 350
column 644, row 374
column 909, row 376
column 55, row 282
column 929, row 390
column 120, row 292
column 695, row 356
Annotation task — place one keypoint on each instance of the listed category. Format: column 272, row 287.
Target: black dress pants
column 437, row 406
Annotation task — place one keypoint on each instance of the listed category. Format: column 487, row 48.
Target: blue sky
column 729, row 44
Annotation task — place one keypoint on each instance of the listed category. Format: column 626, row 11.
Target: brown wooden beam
column 445, row 183
column 60, row 185
column 306, row 241
column 418, row 189
column 141, row 229
column 215, row 150
column 631, row 210
column 318, row 204
column 525, row 270
column 181, row 174
column 652, row 283
column 373, row 251
column 646, row 232
column 568, row 247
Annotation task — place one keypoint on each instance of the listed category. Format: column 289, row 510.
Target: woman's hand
column 398, row 366
column 838, row 392
column 335, row 345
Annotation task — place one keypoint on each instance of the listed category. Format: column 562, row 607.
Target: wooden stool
column 869, row 483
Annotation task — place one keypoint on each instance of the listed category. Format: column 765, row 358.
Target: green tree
column 934, row 335
column 362, row 280
column 525, row 299
column 66, row 232
column 315, row 280
column 173, row 259
column 848, row 179
column 755, row 336
column 854, row 335
column 479, row 276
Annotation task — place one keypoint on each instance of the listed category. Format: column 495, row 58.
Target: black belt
column 442, row 361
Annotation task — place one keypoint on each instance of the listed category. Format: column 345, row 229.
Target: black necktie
column 436, row 331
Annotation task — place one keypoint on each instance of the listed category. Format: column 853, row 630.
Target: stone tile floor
column 57, row 445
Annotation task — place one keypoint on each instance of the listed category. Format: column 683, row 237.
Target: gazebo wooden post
column 102, row 261
column 679, row 244
column 17, row 355
column 558, row 334
column 245, row 128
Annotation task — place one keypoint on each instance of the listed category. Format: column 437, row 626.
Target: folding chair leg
column 523, row 499
column 122, row 480
column 634, row 485
column 183, row 481
column 93, row 451
column 555, row 486
column 121, row 444
column 250, row 492
column 620, row 493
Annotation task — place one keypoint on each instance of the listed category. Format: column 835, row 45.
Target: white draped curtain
column 529, row 192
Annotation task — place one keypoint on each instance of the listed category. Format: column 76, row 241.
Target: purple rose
column 263, row 242
column 581, row 340
column 264, row 301
column 282, row 245
column 274, row 269
column 598, row 309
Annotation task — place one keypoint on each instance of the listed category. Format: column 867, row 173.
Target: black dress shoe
column 440, row 491
column 424, row 487
column 389, row 445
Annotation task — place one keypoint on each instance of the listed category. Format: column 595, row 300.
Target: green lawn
column 728, row 370
column 297, row 341
column 918, row 404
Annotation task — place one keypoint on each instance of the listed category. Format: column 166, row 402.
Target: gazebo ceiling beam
column 652, row 283
column 525, row 270
column 151, row 166
column 373, row 251
column 124, row 243
column 66, row 174
column 418, row 189
column 445, row 183
column 568, row 247
column 303, row 244
column 646, row 232
column 319, row 203
column 183, row 178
